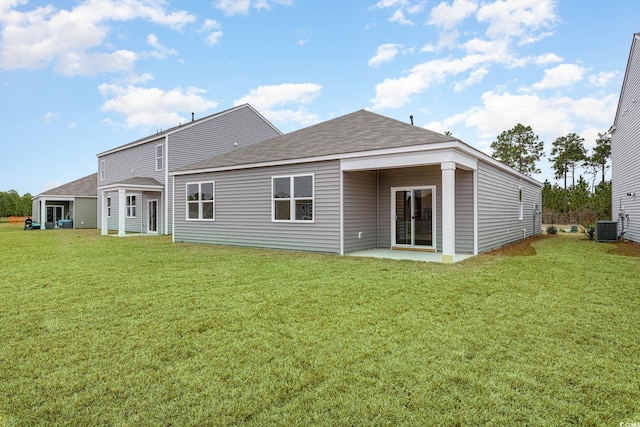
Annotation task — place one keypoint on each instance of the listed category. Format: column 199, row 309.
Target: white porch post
column 43, row 214
column 448, row 211
column 104, row 222
column 121, row 211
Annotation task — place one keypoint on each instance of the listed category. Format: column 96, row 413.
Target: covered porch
column 419, row 206
column 132, row 206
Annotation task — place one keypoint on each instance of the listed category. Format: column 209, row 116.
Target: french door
column 413, row 217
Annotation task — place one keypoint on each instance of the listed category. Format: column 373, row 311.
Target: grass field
column 139, row 331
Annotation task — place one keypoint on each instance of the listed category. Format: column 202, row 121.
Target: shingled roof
column 355, row 132
column 83, row 187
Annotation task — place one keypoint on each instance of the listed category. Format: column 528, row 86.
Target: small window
column 520, row 203
column 130, row 207
column 159, row 157
column 292, row 198
column 108, row 207
column 103, row 172
column 201, row 201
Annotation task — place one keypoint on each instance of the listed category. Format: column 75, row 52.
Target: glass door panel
column 403, row 217
column 422, row 215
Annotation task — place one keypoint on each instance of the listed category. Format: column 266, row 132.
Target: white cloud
column 394, row 93
column 475, row 77
column 214, row 28
column 448, row 16
column 72, row 39
column 603, row 78
column 517, row 19
column 242, row 7
column 384, row 53
column 549, row 117
column 147, row 107
column 398, row 16
column 160, row 51
column 270, row 101
column 560, row 76
column 400, row 9
column 49, row 116
column 547, row 59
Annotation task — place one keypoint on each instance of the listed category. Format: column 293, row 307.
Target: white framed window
column 130, row 207
column 292, row 198
column 159, row 157
column 103, row 170
column 520, row 203
column 201, row 201
column 108, row 207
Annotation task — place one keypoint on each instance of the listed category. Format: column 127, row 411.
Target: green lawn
column 140, row 331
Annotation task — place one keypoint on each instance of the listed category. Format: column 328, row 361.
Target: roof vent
column 411, row 118
column 193, row 116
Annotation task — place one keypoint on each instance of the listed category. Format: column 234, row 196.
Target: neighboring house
column 356, row 182
column 625, row 150
column 135, row 193
column 71, row 205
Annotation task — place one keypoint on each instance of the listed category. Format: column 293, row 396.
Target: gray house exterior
column 357, row 182
column 72, row 205
column 135, row 193
column 625, row 150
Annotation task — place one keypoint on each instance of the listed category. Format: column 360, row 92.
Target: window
column 292, row 198
column 159, row 157
column 201, row 200
column 103, row 173
column 520, row 203
column 130, row 207
column 108, row 207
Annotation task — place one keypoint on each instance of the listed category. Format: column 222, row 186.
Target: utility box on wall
column 607, row 231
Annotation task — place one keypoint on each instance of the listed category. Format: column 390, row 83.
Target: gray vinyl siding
column 408, row 177
column 85, row 215
column 243, row 210
column 360, row 210
column 464, row 212
column 228, row 132
column 498, row 207
column 137, row 161
column 625, row 148
column 235, row 129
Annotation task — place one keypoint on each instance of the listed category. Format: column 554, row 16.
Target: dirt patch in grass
column 625, row 248
column 521, row 248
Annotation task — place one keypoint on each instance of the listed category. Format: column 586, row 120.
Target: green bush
column 590, row 230
column 552, row 229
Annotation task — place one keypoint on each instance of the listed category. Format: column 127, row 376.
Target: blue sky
column 80, row 77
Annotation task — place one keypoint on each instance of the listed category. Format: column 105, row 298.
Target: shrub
column 552, row 229
column 590, row 230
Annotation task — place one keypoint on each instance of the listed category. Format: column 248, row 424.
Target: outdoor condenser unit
column 607, row 231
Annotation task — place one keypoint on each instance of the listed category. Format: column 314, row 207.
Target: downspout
column 377, row 208
column 165, row 207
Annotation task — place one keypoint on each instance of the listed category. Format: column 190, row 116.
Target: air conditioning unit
column 607, row 231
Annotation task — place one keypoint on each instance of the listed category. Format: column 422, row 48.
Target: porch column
column 121, row 211
column 104, row 220
column 43, row 214
column 448, row 211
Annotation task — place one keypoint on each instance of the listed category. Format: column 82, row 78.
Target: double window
column 201, row 200
column 159, row 156
column 108, row 207
column 103, row 171
column 292, row 198
column 130, row 207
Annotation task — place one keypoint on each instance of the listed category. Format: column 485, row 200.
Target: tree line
column 11, row 203
column 579, row 200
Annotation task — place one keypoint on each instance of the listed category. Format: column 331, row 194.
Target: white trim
column 434, row 219
column 165, row 204
column 292, row 199
column 132, row 187
column 341, row 211
column 475, row 212
column 103, row 169
column 173, row 212
column 520, row 203
column 128, row 207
